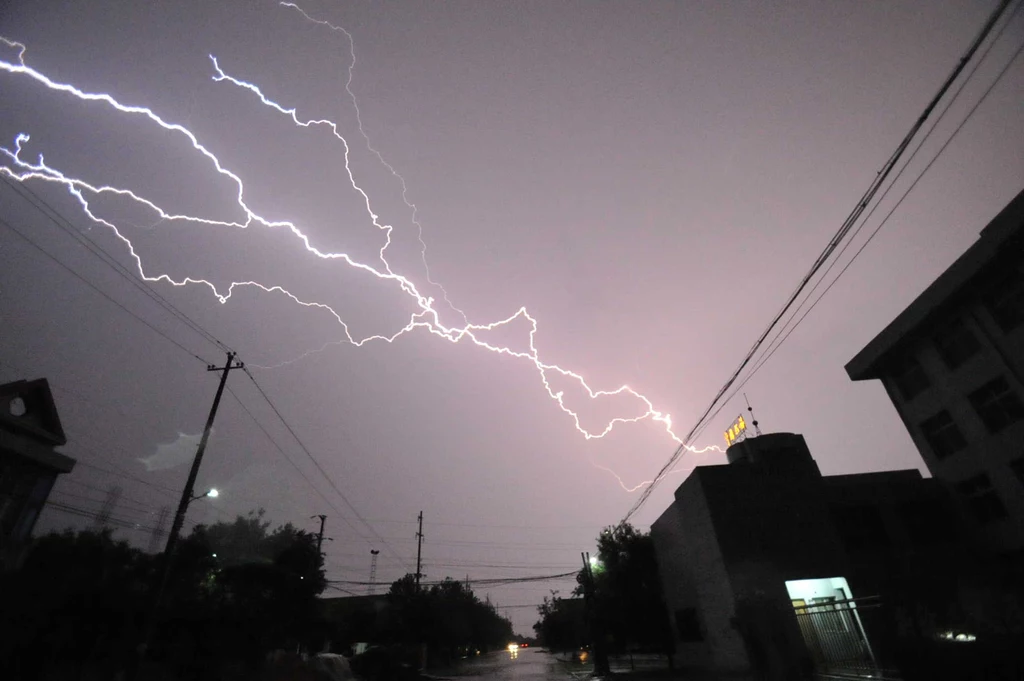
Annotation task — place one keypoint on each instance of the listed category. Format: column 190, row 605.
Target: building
column 953, row 365
column 768, row 565
column 354, row 622
column 30, row 431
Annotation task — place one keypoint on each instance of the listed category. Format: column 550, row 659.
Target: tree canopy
column 628, row 607
column 236, row 589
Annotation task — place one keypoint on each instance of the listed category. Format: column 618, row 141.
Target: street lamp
column 212, row 493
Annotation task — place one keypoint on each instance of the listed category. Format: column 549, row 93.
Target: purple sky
column 649, row 180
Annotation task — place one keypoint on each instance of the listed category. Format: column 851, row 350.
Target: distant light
column 513, row 646
column 213, row 493
column 215, row 555
column 593, row 561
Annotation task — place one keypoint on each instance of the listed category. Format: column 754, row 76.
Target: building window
column 688, row 626
column 909, row 378
column 942, row 435
column 1005, row 300
column 1017, row 466
column 983, row 501
column 996, row 404
column 956, row 343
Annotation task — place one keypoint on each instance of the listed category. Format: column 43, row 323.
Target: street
column 528, row 664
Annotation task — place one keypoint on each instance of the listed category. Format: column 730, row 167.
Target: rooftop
column 1007, row 228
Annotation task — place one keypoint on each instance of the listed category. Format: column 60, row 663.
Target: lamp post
column 212, row 493
column 168, row 557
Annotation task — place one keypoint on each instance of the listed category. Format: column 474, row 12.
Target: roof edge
column 1006, row 225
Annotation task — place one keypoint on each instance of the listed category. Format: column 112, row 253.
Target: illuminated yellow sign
column 738, row 428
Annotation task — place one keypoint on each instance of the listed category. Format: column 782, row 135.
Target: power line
column 62, row 222
column 126, row 500
column 98, row 290
column 490, row 526
column 294, row 465
column 491, row 581
column 93, row 515
column 789, row 327
column 320, row 468
column 833, row 244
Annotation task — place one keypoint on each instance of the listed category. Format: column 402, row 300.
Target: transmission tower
column 103, row 517
column 373, row 571
column 159, row 530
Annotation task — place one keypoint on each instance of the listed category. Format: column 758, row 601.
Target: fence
column 833, row 631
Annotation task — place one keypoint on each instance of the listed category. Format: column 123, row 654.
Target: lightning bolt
column 426, row 317
column 359, row 124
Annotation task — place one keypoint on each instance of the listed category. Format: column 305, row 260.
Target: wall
column 694, row 575
column 990, row 453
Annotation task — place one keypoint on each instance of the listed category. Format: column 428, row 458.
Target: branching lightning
column 359, row 123
column 426, row 317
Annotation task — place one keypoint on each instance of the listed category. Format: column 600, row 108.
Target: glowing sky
column 649, row 185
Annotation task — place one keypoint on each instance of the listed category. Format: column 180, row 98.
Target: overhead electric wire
column 833, row 244
column 323, row 472
column 62, row 222
column 95, row 515
column 790, row 326
column 294, row 465
column 99, row 290
column 490, row 581
column 129, row 503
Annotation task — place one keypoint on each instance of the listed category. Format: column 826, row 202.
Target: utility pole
column 419, row 552
column 601, row 667
column 179, row 517
column 320, row 537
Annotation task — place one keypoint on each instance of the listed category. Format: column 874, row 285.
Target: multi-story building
column 29, row 431
column 768, row 567
column 953, row 365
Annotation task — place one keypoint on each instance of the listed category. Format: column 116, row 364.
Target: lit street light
column 212, row 493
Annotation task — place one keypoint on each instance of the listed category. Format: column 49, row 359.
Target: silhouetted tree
column 628, row 603
column 562, row 625
column 76, row 599
column 236, row 589
column 447, row 617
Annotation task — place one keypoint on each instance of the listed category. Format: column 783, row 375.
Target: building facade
column 953, row 365
column 30, row 430
column 770, row 569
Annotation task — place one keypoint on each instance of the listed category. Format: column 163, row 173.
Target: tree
column 447, row 617
column 562, row 625
column 242, row 587
column 77, row 598
column 628, row 603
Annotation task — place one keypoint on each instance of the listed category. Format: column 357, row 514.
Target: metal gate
column 835, row 638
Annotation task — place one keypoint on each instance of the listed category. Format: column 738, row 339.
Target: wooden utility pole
column 320, row 537
column 419, row 552
column 179, row 517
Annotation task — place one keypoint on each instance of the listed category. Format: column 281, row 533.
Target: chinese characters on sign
column 737, row 431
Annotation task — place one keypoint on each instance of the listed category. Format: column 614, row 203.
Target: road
column 530, row 664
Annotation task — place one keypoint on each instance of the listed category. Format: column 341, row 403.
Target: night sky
column 649, row 180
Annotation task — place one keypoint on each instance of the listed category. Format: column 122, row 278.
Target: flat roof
column 1006, row 226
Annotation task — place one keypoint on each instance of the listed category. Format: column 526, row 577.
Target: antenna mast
column 753, row 419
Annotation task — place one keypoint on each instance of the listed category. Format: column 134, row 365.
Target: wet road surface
column 530, row 664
